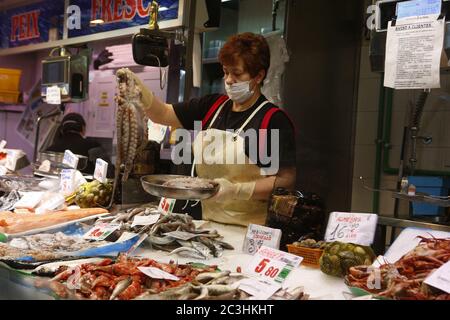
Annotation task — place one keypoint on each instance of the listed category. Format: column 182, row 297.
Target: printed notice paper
column 413, row 53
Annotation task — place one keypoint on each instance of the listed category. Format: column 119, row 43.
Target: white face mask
column 240, row 91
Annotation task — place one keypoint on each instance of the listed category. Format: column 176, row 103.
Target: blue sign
column 119, row 14
column 418, row 8
column 31, row 24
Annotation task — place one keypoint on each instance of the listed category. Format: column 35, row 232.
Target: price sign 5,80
column 271, row 265
column 270, row 271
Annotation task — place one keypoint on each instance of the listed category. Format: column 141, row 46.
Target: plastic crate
column 10, row 79
column 310, row 256
column 9, row 96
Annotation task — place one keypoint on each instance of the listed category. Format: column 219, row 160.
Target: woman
column 244, row 188
column 70, row 135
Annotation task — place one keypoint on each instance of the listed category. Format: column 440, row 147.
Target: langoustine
column 404, row 279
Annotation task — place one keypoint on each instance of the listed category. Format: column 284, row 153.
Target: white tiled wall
column 435, row 122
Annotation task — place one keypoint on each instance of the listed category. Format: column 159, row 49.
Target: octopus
column 131, row 124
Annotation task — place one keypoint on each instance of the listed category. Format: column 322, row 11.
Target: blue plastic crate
column 436, row 186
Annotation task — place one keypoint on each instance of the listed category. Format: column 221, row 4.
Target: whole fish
column 160, row 240
column 120, row 287
column 188, row 252
column 204, row 250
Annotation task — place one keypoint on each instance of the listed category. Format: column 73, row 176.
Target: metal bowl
column 56, row 158
column 153, row 184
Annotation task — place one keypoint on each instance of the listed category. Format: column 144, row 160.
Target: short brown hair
column 251, row 48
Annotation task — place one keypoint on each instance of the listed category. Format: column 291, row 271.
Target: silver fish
column 207, row 242
column 160, row 240
column 184, row 243
column 224, row 245
column 188, row 252
column 120, row 287
column 208, row 276
column 203, row 293
column 204, row 250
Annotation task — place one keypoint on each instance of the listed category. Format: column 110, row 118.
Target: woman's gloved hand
column 233, row 191
column 125, row 75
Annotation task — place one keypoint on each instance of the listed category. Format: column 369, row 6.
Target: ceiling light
column 96, row 22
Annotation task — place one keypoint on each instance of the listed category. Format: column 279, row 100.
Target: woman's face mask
column 240, row 91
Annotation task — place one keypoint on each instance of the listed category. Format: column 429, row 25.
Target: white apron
column 222, row 163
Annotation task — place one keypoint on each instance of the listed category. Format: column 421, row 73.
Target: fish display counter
column 210, row 266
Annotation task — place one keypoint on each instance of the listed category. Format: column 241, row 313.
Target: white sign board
column 101, row 231
column 258, row 236
column 440, row 278
column 166, row 205
column 358, row 228
column 101, row 170
column 70, row 159
column 271, row 265
column 53, row 95
column 145, row 220
column 413, row 53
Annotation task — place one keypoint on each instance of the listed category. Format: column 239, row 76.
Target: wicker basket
column 310, row 256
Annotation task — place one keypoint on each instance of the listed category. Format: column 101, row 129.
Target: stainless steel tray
column 153, row 184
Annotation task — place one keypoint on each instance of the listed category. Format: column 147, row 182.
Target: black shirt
column 197, row 108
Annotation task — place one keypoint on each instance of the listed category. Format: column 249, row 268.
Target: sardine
column 188, row 252
column 207, row 242
column 184, row 243
column 49, row 269
column 224, row 245
column 160, row 240
column 120, row 287
column 203, row 293
column 208, row 276
column 134, row 212
column 204, row 250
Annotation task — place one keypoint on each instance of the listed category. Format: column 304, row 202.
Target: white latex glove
column 146, row 94
column 233, row 191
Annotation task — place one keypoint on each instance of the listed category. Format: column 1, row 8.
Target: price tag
column 45, row 166
column 166, row 205
column 156, row 131
column 101, row 170
column 67, row 181
column 101, row 231
column 271, row 265
column 74, row 281
column 70, row 159
column 12, row 155
column 440, row 278
column 358, row 228
column 126, row 236
column 2, row 145
column 258, row 236
column 145, row 220
column 156, row 273
column 258, row 289
column 53, row 95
